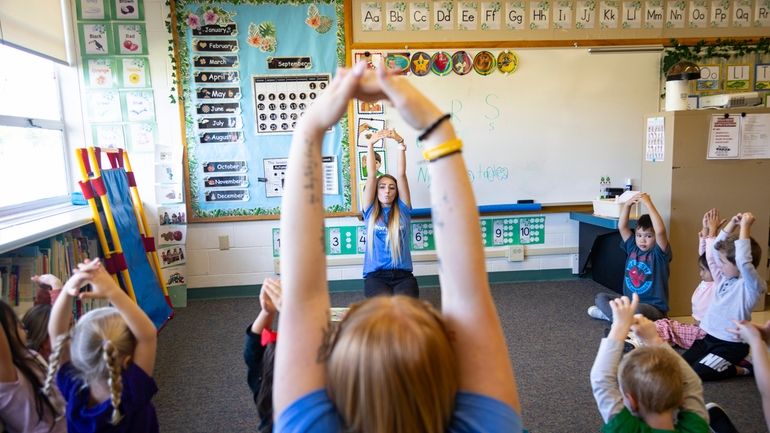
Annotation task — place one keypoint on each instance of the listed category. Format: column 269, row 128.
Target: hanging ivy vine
column 721, row 48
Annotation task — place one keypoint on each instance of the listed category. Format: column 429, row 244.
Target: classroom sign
column 248, row 70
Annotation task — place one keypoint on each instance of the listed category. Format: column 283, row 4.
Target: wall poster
column 247, row 71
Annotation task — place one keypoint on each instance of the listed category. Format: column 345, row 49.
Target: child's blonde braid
column 53, row 367
column 114, row 380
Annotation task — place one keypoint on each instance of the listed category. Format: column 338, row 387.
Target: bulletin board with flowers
column 245, row 72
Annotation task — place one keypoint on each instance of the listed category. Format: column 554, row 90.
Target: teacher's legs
column 391, row 282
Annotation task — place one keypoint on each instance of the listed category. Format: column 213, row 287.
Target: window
column 34, row 169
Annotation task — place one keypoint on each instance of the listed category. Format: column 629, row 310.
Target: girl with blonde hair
column 104, row 366
column 393, row 364
column 387, row 208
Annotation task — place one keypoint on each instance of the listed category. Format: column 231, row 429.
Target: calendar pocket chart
column 280, row 101
column 247, row 72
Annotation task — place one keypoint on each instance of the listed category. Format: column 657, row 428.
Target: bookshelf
column 55, row 249
column 24, row 231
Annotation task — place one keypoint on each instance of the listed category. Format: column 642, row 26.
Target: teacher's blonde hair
column 392, row 368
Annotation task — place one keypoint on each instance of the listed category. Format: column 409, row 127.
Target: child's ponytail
column 114, row 380
column 53, row 366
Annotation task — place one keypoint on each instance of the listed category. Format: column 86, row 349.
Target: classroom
column 173, row 121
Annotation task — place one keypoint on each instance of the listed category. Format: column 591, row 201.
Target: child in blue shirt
column 104, row 366
column 647, row 265
column 390, row 365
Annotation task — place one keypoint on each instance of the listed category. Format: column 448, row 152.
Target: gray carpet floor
column 552, row 344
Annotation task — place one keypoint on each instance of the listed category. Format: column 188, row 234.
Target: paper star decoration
column 421, row 64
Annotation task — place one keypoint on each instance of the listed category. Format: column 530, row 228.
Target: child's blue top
column 136, row 403
column 316, row 413
column 646, row 274
column 378, row 258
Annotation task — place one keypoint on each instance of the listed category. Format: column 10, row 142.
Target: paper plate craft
column 398, row 62
column 441, row 63
column 462, row 63
column 484, row 63
column 507, row 62
column 420, row 64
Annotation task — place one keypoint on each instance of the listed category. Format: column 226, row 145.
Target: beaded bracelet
column 443, row 149
column 433, row 126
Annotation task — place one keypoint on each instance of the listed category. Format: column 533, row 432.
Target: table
column 599, row 249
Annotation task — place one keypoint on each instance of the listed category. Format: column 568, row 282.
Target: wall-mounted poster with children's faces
column 249, row 70
column 174, row 214
column 172, row 256
column 379, row 156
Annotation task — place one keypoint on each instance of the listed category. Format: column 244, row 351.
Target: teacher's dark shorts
column 391, row 282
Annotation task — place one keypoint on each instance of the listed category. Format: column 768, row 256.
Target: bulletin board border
column 182, row 73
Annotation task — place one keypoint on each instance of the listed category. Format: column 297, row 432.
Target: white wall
column 250, row 258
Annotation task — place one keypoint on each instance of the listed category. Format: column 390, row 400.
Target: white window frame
column 22, row 209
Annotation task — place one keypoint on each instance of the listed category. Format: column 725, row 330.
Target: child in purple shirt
column 106, row 361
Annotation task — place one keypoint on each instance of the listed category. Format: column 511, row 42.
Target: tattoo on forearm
column 310, row 172
column 436, row 216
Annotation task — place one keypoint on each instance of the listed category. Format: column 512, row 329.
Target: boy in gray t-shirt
column 721, row 354
column 647, row 265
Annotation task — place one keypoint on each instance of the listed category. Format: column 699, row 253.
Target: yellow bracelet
column 442, row 149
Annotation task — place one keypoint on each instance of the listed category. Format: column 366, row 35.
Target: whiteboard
column 547, row 132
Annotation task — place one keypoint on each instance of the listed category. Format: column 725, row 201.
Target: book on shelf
column 57, row 255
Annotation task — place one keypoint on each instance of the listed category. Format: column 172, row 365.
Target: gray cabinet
column 685, row 185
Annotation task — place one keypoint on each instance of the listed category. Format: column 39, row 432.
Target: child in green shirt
column 652, row 389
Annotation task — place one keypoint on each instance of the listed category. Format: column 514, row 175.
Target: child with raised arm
column 48, row 288
column 259, row 352
column 104, row 366
column 758, row 337
column 647, row 265
column 387, row 208
column 685, row 334
column 652, row 388
column 738, row 288
column 23, row 408
column 391, row 365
